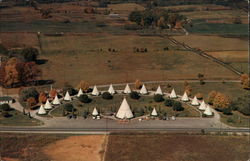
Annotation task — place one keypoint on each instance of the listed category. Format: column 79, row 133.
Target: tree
column 211, row 97
column 68, row 107
column 52, row 93
column 27, row 93
column 3, row 50
column 134, row 95
column 158, row 98
column 70, row 89
column 242, row 104
column 169, row 102
column 5, row 107
column 83, row 85
column 188, row 90
column 30, row 54
column 11, row 76
column 177, row 106
column 161, row 22
column 107, row 96
column 29, row 72
column 135, row 16
column 221, row 101
column 138, row 84
column 244, row 79
column 199, row 96
column 42, row 97
column 31, row 101
column 84, row 98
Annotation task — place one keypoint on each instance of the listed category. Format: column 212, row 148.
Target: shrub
column 227, row 111
column 5, row 107
column 27, row 93
column 68, row 107
column 169, row 102
column 158, row 98
column 107, row 96
column 134, row 95
column 177, row 106
column 29, row 54
column 221, row 101
column 84, row 98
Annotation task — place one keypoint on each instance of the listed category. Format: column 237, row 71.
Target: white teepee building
column 195, row 101
column 173, row 94
column 202, row 105
column 154, row 113
column 159, row 91
column 67, row 97
column 41, row 110
column 47, row 105
column 95, row 112
column 124, row 111
column 143, row 90
column 79, row 93
column 111, row 89
column 56, row 101
column 185, row 97
column 95, row 91
column 127, row 89
column 208, row 111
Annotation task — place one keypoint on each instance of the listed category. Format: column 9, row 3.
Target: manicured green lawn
column 113, row 105
column 18, row 119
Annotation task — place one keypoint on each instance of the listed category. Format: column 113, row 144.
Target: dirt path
column 77, row 148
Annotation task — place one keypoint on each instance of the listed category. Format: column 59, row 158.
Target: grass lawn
column 18, row 119
column 167, row 147
column 107, row 105
column 236, row 119
column 75, row 58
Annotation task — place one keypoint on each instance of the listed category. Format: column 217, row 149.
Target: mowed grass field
column 167, row 147
column 214, row 43
column 75, row 58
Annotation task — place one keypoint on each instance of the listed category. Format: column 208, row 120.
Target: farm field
column 145, row 101
column 99, row 66
column 154, row 147
column 214, row 43
column 237, row 59
column 51, row 147
column 125, row 8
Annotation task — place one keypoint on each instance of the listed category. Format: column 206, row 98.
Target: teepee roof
column 159, row 91
column 127, row 89
column 173, row 94
column 143, row 90
column 67, row 97
column 47, row 105
column 185, row 97
column 154, row 113
column 95, row 112
column 202, row 106
column 124, row 111
column 95, row 91
column 195, row 101
column 79, row 93
column 56, row 101
column 41, row 110
column 111, row 89
column 208, row 111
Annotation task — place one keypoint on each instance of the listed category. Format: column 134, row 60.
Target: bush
column 5, row 107
column 169, row 102
column 177, row 106
column 107, row 96
column 134, row 95
column 158, row 98
column 29, row 54
column 27, row 93
column 84, row 98
column 227, row 111
column 68, row 107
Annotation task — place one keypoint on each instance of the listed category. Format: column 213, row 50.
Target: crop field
column 75, row 58
column 125, row 8
column 202, row 27
column 145, row 101
column 214, row 43
column 152, row 147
